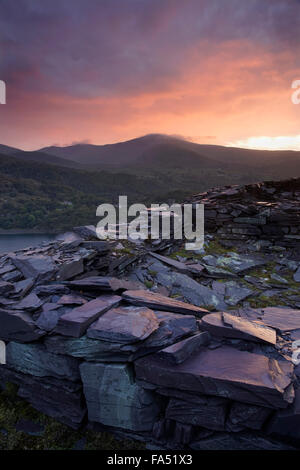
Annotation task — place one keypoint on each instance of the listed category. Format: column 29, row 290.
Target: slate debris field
column 178, row 349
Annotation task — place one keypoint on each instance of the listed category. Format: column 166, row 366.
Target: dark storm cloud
column 91, row 48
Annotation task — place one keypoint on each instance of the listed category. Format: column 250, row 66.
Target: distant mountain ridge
column 157, row 152
column 163, row 150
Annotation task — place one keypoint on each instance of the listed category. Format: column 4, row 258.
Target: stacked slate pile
column 162, row 346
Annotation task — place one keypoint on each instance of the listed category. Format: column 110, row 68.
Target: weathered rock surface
column 283, row 319
column 33, row 359
column 124, row 325
column 18, row 326
column 230, row 326
column 39, row 267
column 181, row 351
column 160, row 302
column 224, row 372
column 76, row 322
column 205, row 412
column 115, row 400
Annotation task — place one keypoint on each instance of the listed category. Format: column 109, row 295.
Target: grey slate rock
column 5, row 287
column 58, row 398
column 239, row 263
column 76, row 322
column 181, row 267
column 88, row 349
column 21, row 288
column 247, row 416
column 225, row 372
column 241, row 441
column 71, row 299
column 70, row 270
column 235, row 293
column 31, row 303
column 297, row 275
column 51, row 289
column 86, row 232
column 181, row 351
column 160, row 302
column 191, row 290
column 49, row 317
column 124, row 325
column 109, row 284
column 172, row 327
column 39, row 267
column 18, row 326
column 206, row 412
column 114, row 399
column 34, row 359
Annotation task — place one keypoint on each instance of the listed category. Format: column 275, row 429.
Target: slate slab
column 124, row 325
column 181, row 351
column 71, row 299
column 18, row 326
column 76, row 322
column 207, row 412
column 181, row 267
column 61, row 399
column 229, row 326
column 239, row 263
column 191, row 290
column 110, row 284
column 5, row 287
column 160, row 302
column 283, row 319
column 114, row 399
column 89, row 349
column 70, row 270
column 247, row 416
column 34, row 359
column 225, row 372
column 39, row 267
column 31, row 302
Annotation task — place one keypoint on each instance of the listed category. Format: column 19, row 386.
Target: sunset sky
column 102, row 71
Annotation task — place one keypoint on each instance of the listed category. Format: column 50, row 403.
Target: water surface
column 20, row 241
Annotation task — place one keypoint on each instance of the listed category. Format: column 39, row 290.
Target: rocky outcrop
column 181, row 349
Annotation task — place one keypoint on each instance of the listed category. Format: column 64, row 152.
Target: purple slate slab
column 283, row 319
column 160, row 302
column 18, row 326
column 181, row 351
column 125, row 325
column 226, row 325
column 76, row 322
column 110, row 284
column 224, row 372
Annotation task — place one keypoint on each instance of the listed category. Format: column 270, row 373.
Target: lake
column 17, row 242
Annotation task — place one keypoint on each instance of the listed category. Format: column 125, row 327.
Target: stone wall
column 266, row 211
